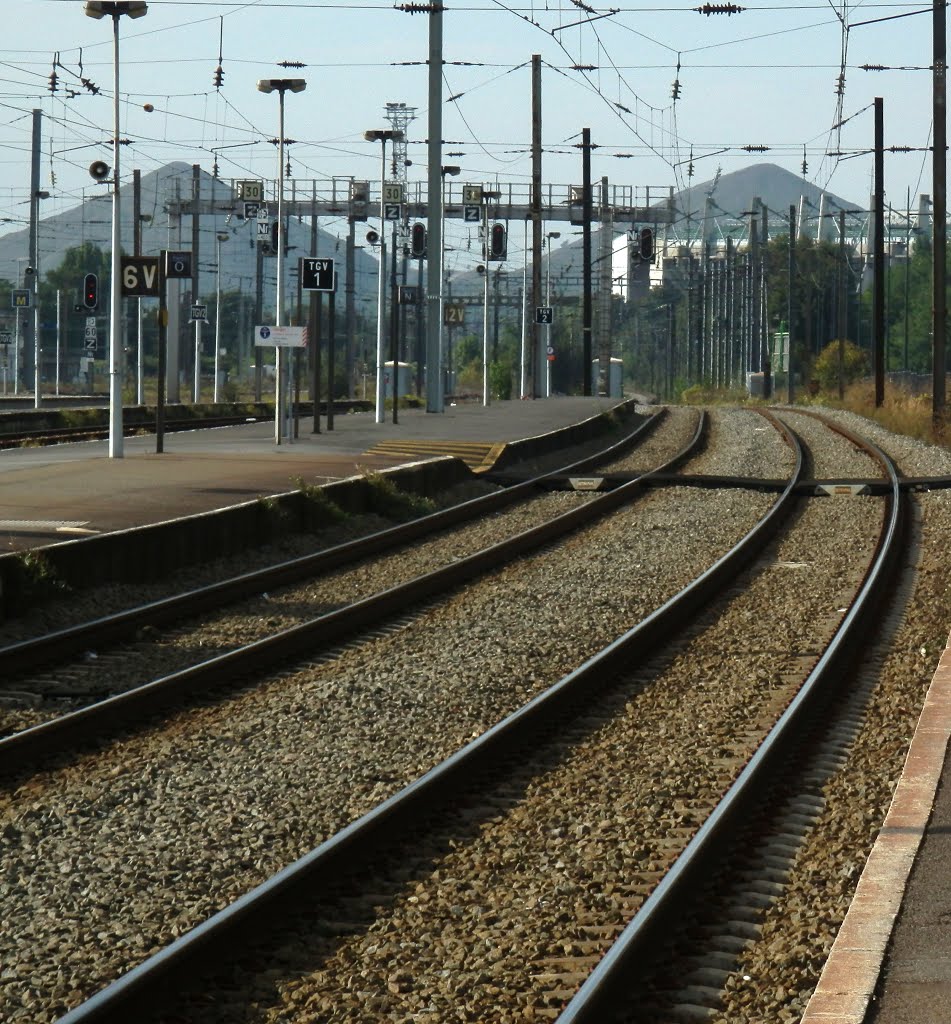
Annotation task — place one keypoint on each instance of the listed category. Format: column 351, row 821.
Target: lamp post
column 446, row 169
column 549, row 237
column 221, row 236
column 280, row 86
column 115, row 9
column 382, row 135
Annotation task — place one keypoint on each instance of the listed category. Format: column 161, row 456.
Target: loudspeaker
column 99, row 170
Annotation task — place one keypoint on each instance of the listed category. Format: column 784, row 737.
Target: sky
column 764, row 76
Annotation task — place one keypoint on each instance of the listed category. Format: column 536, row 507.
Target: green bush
column 500, row 379
column 825, row 369
column 388, row 500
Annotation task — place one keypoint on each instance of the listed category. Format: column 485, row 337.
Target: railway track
column 96, row 432
column 554, row 974
column 374, row 594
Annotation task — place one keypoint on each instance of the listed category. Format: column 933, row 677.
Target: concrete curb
column 146, row 553
column 852, row 970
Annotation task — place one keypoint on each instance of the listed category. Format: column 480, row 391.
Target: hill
column 91, row 221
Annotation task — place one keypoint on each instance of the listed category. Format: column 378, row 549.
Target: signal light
column 497, row 242
column 91, row 291
column 417, row 241
column 646, row 244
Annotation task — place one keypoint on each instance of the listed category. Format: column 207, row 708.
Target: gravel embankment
column 492, row 929
column 778, row 973
column 29, row 701
column 108, row 859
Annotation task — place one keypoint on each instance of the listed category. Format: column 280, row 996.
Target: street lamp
column 280, row 86
column 221, row 236
column 549, row 237
column 115, row 9
column 382, row 135
column 453, row 170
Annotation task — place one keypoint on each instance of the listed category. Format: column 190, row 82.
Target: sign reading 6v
column 140, row 275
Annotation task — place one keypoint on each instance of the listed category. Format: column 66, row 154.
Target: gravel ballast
column 106, row 860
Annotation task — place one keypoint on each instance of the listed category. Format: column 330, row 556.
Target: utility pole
column 586, row 350
column 34, row 259
column 843, row 308
column 537, row 350
column 331, row 346
column 878, row 257
column 313, row 322
column 258, row 316
column 350, row 303
column 174, row 307
column 939, row 172
column 790, row 302
column 435, row 397
column 400, row 116
column 137, row 251
column 604, row 286
column 196, row 235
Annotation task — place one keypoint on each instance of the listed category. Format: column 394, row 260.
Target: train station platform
column 62, row 492
column 891, row 959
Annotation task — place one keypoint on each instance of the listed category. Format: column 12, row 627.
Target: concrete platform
column 68, row 491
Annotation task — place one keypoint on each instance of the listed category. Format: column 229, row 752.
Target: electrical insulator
column 53, row 86
column 497, row 244
column 675, row 89
column 646, row 246
column 709, row 9
column 417, row 241
column 805, row 165
column 219, row 76
column 91, row 291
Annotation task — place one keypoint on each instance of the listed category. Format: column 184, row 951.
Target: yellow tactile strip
column 477, row 455
column 851, row 972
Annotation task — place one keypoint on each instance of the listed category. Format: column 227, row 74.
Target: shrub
column 825, row 369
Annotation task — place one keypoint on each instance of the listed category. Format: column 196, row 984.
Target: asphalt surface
column 67, row 491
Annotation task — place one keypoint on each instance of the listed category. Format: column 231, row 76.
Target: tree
column 825, row 369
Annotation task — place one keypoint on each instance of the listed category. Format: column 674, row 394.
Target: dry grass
column 901, row 412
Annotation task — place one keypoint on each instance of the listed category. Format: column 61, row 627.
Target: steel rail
column 37, row 651
column 321, row 871
column 635, row 949
column 94, row 431
column 94, row 722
